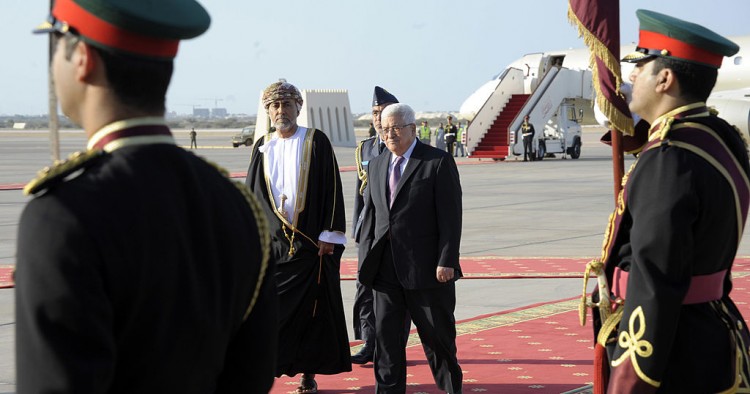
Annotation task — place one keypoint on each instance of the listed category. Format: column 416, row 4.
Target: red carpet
column 495, row 267
column 537, row 349
column 6, row 276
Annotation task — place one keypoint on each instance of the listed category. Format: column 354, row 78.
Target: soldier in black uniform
column 140, row 266
column 193, row 141
column 665, row 321
column 527, row 132
column 368, row 149
column 450, row 135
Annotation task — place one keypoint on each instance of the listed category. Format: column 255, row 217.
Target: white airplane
column 731, row 97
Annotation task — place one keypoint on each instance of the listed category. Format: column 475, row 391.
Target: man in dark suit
column 363, row 314
column 141, row 268
column 414, row 194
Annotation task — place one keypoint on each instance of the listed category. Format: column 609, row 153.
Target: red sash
column 703, row 288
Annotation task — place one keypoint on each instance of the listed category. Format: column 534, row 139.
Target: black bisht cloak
column 313, row 336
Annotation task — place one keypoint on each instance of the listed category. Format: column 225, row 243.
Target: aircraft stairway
column 495, row 143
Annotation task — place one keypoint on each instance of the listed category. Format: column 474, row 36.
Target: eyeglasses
column 395, row 129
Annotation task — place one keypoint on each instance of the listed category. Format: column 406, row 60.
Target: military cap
column 665, row 36
column 151, row 29
column 280, row 91
column 382, row 96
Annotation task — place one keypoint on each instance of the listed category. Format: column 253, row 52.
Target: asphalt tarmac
column 551, row 208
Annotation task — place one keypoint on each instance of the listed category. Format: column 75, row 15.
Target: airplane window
column 738, row 60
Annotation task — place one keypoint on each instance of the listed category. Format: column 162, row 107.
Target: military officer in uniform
column 140, row 266
column 450, row 135
column 527, row 132
column 665, row 321
column 368, row 149
column 193, row 141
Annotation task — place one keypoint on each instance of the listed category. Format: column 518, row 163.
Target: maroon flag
column 598, row 22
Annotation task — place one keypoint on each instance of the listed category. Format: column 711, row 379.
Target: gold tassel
column 597, row 49
column 292, row 250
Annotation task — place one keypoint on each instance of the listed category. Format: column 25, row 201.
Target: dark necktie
column 381, row 147
column 395, row 177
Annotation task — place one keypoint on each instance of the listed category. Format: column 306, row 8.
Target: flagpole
column 54, row 121
column 618, row 161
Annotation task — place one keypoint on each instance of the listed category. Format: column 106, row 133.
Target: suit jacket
column 423, row 225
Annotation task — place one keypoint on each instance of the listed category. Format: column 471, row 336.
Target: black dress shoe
column 364, row 356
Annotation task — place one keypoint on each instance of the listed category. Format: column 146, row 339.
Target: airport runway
column 551, row 208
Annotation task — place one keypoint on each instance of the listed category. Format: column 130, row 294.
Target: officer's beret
column 669, row 37
column 382, row 96
column 281, row 91
column 139, row 27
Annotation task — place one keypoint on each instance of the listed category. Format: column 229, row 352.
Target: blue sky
column 430, row 54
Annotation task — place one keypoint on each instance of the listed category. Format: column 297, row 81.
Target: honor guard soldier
column 140, row 266
column 664, row 320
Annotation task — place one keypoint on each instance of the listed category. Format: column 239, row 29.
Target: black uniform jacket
column 679, row 222
column 134, row 275
column 423, row 225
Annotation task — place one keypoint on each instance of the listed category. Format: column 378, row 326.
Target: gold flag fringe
column 618, row 120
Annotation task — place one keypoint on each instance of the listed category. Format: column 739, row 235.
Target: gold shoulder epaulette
column 742, row 136
column 59, row 171
column 666, row 126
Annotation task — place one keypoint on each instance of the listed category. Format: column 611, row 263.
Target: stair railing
column 509, row 83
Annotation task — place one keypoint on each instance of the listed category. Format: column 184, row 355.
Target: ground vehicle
column 244, row 137
column 561, row 134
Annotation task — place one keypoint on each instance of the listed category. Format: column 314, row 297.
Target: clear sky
column 431, row 54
